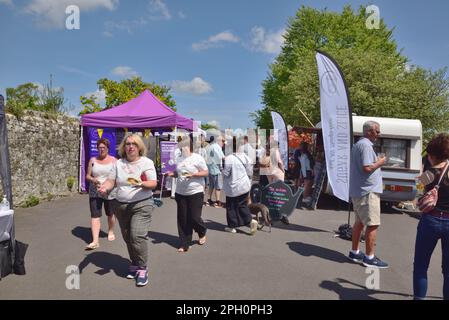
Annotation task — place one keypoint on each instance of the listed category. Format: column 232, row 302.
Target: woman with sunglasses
column 98, row 170
column 134, row 178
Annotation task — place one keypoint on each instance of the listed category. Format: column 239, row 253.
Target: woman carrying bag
column 434, row 222
column 236, row 185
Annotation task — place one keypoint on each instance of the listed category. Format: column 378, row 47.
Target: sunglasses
column 129, row 144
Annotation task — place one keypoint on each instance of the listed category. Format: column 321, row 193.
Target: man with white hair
column 365, row 187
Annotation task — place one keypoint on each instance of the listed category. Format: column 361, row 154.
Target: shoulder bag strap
column 443, row 173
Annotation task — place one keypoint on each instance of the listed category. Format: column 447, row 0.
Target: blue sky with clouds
column 214, row 54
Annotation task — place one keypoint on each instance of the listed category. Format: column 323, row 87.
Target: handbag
column 265, row 162
column 428, row 201
column 6, row 263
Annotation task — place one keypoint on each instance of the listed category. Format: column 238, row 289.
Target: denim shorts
column 216, row 182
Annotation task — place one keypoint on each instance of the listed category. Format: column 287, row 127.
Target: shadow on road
column 107, row 262
column 159, row 237
column 295, row 227
column 308, row 250
column 85, row 234
column 358, row 293
column 328, row 202
column 212, row 225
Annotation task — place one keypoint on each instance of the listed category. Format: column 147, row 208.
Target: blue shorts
column 215, row 182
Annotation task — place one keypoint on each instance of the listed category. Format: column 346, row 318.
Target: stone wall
column 44, row 153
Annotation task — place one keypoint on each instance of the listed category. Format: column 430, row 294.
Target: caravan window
column 395, row 149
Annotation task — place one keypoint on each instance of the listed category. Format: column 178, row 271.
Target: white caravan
column 401, row 141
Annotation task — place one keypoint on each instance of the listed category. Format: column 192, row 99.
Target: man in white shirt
column 215, row 157
column 247, row 149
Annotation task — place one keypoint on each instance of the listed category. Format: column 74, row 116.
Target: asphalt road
column 300, row 261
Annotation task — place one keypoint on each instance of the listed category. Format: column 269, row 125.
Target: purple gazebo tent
column 144, row 112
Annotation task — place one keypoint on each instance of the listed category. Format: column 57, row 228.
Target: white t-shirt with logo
column 141, row 170
column 188, row 165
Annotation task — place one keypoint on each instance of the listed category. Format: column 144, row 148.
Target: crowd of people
column 124, row 187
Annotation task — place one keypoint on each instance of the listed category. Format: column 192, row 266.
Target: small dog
column 257, row 208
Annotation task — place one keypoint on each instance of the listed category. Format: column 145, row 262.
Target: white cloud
column 267, row 42
column 158, row 10
column 196, row 86
column 124, row 72
column 40, row 87
column 76, row 71
column 7, row 2
column 108, row 34
column 51, row 13
column 99, row 96
column 214, row 123
column 408, row 66
column 125, row 25
column 215, row 41
column 182, row 15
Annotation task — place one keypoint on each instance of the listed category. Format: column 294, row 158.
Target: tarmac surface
column 302, row 260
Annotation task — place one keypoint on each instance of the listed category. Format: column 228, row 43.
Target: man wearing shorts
column 365, row 189
column 215, row 157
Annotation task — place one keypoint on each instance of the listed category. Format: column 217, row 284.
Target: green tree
column 24, row 96
column 90, row 105
column 379, row 81
column 31, row 96
column 207, row 126
column 120, row 92
column 52, row 99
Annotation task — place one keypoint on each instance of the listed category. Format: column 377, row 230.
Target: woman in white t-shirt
column 190, row 172
column 236, row 184
column 98, row 170
column 134, row 178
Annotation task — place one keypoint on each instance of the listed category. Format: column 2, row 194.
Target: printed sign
column 279, row 199
column 282, row 138
column 336, row 121
column 96, row 134
column 168, row 156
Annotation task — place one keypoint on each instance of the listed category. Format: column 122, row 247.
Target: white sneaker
column 231, row 230
column 253, row 226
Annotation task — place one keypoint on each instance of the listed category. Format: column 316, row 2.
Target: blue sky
column 214, row 54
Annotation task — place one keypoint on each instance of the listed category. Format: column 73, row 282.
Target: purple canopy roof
column 144, row 111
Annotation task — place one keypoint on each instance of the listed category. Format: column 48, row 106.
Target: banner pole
column 310, row 122
column 328, row 77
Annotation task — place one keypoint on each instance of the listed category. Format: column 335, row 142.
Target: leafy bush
column 70, row 182
column 31, row 201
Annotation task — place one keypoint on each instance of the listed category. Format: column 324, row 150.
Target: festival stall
column 145, row 114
